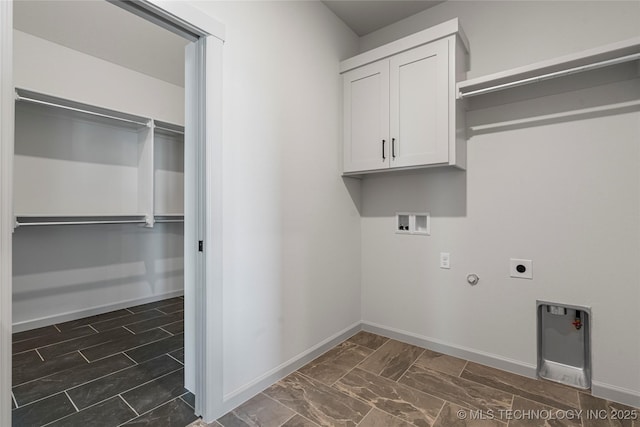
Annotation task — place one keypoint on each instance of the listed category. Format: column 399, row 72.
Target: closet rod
column 78, row 110
column 169, row 220
column 555, row 74
column 179, row 132
column 136, row 221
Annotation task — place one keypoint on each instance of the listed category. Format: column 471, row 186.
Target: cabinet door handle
column 393, row 148
column 383, row 156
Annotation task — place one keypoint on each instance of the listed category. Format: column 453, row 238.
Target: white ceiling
column 108, row 32
column 365, row 16
column 103, row 30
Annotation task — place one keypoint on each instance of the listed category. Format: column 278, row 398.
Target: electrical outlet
column 445, row 260
column 521, row 268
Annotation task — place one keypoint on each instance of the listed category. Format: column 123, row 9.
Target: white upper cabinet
column 400, row 106
column 419, row 106
column 366, row 125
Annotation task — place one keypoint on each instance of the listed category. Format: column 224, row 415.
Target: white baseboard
column 615, row 394
column 470, row 354
column 79, row 314
column 246, row 392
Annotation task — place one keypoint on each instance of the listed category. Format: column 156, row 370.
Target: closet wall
column 63, row 272
column 564, row 193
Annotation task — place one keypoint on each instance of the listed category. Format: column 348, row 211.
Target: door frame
column 205, row 118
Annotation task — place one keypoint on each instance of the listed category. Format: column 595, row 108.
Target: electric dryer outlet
column 521, row 268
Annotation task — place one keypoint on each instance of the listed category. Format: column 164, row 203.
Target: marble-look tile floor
column 372, row 381
column 124, row 367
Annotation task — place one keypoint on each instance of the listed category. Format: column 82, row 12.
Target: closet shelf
column 80, row 108
column 44, row 220
column 168, row 128
column 612, row 54
column 160, row 218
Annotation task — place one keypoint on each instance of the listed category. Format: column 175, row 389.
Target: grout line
column 129, row 357
column 187, row 403
column 152, row 409
column 127, row 403
column 72, row 402
column 366, row 358
column 174, row 359
column 90, row 381
column 288, row 419
column 15, row 402
column 132, row 312
column 346, row 373
column 125, row 391
column 55, row 343
column 133, row 348
column 160, row 327
column 70, row 388
column 83, row 356
column 413, row 363
column 39, row 355
column 444, row 403
column 365, row 415
column 97, row 332
column 361, row 399
column 312, row 422
column 87, row 347
column 282, row 404
column 152, row 380
column 124, row 327
column 463, row 368
column 46, row 397
column 56, row 326
column 513, row 398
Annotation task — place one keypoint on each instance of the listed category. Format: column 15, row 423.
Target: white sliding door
column 203, row 226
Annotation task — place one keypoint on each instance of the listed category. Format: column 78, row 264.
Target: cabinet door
column 366, row 118
column 419, row 89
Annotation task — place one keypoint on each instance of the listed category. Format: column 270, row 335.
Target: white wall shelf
column 604, row 56
column 169, row 218
column 89, row 111
column 46, row 220
column 81, row 164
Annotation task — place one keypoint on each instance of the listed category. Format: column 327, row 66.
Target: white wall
column 508, row 34
column 61, row 272
column 292, row 230
column 46, row 67
column 564, row 193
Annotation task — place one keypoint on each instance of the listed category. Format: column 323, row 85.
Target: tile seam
column 75, row 386
column 127, row 403
column 128, row 390
column 132, row 348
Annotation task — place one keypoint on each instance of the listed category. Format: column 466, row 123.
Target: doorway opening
column 112, row 242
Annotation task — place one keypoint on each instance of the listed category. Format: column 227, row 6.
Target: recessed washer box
column 413, row 223
column 564, row 343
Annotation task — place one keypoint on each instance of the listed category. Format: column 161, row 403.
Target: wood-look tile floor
column 119, row 368
column 372, row 381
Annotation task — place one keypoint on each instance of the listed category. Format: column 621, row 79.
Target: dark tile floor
column 119, row 368
column 372, row 381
